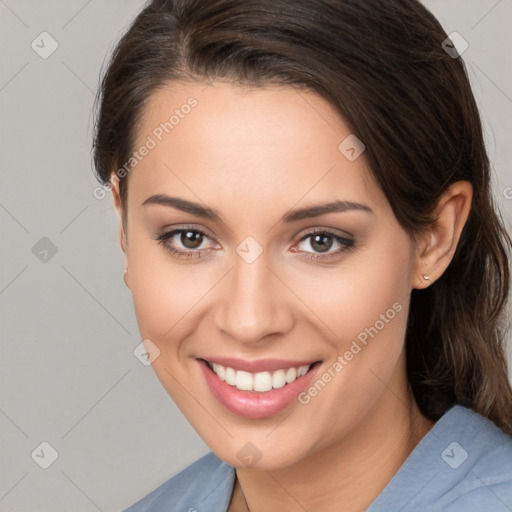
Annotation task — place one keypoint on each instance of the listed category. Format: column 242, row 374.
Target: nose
column 253, row 304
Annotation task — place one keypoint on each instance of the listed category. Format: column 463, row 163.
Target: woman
column 318, row 271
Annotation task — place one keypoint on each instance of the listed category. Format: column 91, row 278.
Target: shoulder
column 206, row 483
column 479, row 456
column 463, row 463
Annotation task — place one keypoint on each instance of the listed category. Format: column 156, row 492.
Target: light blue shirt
column 463, row 464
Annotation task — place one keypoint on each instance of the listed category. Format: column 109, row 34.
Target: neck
column 353, row 471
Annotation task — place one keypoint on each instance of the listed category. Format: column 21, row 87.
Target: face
column 272, row 321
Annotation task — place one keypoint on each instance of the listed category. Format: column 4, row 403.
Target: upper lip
column 259, row 365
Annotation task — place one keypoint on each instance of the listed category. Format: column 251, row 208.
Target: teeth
column 291, row 375
column 278, row 379
column 260, row 382
column 230, row 376
column 302, row 370
column 220, row 371
column 243, row 381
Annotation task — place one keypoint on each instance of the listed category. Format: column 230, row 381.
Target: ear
column 437, row 246
column 116, row 197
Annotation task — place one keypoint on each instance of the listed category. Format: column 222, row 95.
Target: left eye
column 322, row 241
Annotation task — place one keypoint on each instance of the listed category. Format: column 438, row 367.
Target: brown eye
column 322, row 242
column 186, row 243
column 191, row 239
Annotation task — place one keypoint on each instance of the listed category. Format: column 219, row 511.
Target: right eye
column 184, row 242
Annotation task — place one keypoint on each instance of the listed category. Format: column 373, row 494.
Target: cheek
column 365, row 290
column 367, row 307
column 361, row 308
column 164, row 292
column 367, row 318
column 166, row 300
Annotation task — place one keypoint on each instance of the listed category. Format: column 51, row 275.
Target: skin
column 253, row 155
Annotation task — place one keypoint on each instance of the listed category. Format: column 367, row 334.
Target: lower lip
column 254, row 404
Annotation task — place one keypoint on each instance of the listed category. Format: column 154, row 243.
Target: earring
column 426, row 277
column 124, row 276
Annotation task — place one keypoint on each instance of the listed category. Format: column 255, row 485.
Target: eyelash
column 346, row 243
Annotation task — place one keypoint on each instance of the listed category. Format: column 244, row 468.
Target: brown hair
column 383, row 67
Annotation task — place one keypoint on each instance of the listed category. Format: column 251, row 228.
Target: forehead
column 272, row 143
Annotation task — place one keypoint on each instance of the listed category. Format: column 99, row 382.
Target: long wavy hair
column 384, row 68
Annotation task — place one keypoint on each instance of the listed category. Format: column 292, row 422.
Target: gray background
column 68, row 373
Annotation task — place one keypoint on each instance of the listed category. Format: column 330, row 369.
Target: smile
column 257, row 389
column 261, row 381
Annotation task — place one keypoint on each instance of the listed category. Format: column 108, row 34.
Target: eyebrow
column 292, row 216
